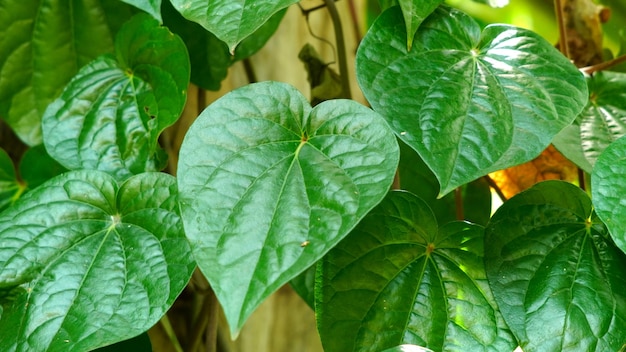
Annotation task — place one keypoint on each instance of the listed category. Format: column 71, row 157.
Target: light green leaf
column 230, row 20
column 398, row 279
column 269, row 185
column 493, row 3
column 608, row 187
column 414, row 13
column 555, row 272
column 44, row 43
column 468, row 102
column 10, row 187
column 151, row 7
column 86, row 262
column 111, row 114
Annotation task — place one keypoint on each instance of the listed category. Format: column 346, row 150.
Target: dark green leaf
column 230, row 20
column 269, row 185
column 408, row 348
column 304, row 285
column 10, row 187
column 555, row 272
column 37, row 167
column 398, row 279
column 468, row 102
column 152, row 7
column 88, row 263
column 414, row 13
column 417, row 178
column 140, row 343
column 111, row 114
column 43, row 44
column 608, row 187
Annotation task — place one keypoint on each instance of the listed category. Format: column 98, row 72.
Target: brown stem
column 206, row 322
column 604, row 66
column 355, row 21
column 247, row 66
column 396, row 180
column 458, row 200
column 581, row 179
column 560, row 18
column 341, row 48
column 495, row 187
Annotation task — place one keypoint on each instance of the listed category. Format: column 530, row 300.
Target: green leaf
column 555, row 272
column 568, row 143
column 607, row 190
column 414, row 13
column 304, row 285
column 468, row 102
column 88, row 262
column 417, row 178
column 398, row 278
column 44, row 43
column 10, row 187
column 37, row 167
column 209, row 56
column 140, row 343
column 493, row 3
column 230, row 20
column 151, row 7
column 408, row 348
column 110, row 116
column 269, row 185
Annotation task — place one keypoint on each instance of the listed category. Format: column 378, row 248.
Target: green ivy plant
column 357, row 207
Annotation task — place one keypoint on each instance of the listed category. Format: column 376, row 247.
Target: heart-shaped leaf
column 230, row 20
column 269, row 185
column 468, row 102
column 608, row 187
column 414, row 13
column 85, row 263
column 43, row 45
column 555, row 272
column 398, row 278
column 110, row 116
column 602, row 121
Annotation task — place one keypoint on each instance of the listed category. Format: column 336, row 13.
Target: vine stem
column 560, row 18
column 207, row 320
column 495, row 187
column 341, row 48
column 603, row 66
column 458, row 200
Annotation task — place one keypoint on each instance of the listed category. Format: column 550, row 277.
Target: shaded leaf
column 43, row 43
column 152, row 7
column 87, row 262
column 468, row 102
column 608, row 187
column 37, row 167
column 111, row 114
column 230, row 20
column 398, row 278
column 554, row 271
column 304, row 285
column 269, row 185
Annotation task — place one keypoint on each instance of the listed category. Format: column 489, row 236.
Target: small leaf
column 468, row 102
column 398, row 278
column 89, row 263
column 230, row 20
column 111, row 114
column 554, row 271
column 414, row 13
column 151, row 7
column 608, row 188
column 44, row 43
column 269, row 185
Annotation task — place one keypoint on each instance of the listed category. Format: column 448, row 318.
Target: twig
column 355, row 21
column 495, row 187
column 250, row 74
column 341, row 49
column 560, row 18
column 604, row 66
column 206, row 322
column 396, row 181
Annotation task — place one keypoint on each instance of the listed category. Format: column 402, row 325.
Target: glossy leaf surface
column 414, row 13
column 230, row 20
column 468, row 102
column 399, row 279
column 555, row 272
column 601, row 122
column 43, row 43
column 111, row 114
column 408, row 348
column 86, row 262
column 608, row 187
column 269, row 185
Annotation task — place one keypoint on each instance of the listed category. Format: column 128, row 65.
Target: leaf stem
column 603, row 66
column 341, row 48
column 581, row 179
column 495, row 187
column 250, row 74
column 206, row 322
column 458, row 200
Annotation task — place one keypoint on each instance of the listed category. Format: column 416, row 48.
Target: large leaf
column 398, row 278
column 111, row 114
column 468, row 102
column 209, row 56
column 602, row 121
column 230, row 20
column 608, row 187
column 555, row 272
column 43, row 43
column 86, row 262
column 269, row 185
